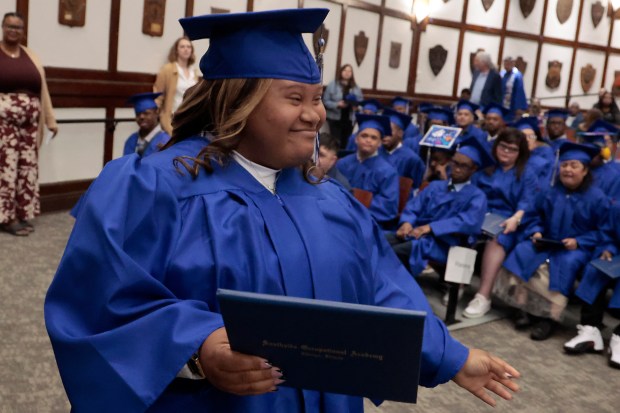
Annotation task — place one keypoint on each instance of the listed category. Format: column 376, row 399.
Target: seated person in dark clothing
column 328, row 156
column 438, row 217
column 366, row 170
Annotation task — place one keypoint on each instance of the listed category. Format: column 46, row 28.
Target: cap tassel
column 555, row 168
column 319, row 56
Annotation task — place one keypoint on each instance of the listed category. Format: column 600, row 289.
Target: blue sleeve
column 384, row 204
column 518, row 93
column 442, row 356
column 114, row 326
column 332, row 96
column 468, row 221
column 526, row 197
column 599, row 209
column 130, row 145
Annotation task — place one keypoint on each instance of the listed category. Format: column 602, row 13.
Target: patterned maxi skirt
column 19, row 186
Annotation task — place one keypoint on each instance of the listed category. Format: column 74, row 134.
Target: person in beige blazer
column 174, row 78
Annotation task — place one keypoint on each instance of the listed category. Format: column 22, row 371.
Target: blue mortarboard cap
column 265, row 44
column 571, row 151
column 378, row 122
column 439, row 113
column 400, row 101
column 495, row 108
column 351, row 98
column 371, row 104
column 424, row 106
column 603, row 128
column 466, row 104
column 528, row 122
column 400, row 119
column 557, row 113
column 593, row 138
column 477, row 152
column 143, row 101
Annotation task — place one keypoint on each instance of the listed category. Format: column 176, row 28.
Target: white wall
column 453, row 10
column 123, row 130
column 426, row 81
column 8, row 6
column 553, row 28
column 274, row 4
column 361, row 20
column 77, row 151
column 564, row 55
column 494, row 17
column 527, row 50
column 400, row 5
column 332, row 23
column 139, row 52
column 582, row 58
column 395, row 79
column 63, row 46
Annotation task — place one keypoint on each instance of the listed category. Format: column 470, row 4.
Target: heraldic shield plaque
column 588, row 72
column 521, row 64
column 563, row 10
column 598, row 10
column 360, row 44
column 554, row 74
column 526, row 7
column 487, row 4
column 437, row 58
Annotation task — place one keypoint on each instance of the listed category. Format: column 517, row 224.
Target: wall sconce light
column 615, row 4
column 421, row 9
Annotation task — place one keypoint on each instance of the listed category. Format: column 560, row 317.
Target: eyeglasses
column 506, row 148
column 13, row 27
column 555, row 122
column 460, row 165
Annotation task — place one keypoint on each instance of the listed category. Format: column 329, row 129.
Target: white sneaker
column 446, row 296
column 614, row 351
column 588, row 339
column 477, row 307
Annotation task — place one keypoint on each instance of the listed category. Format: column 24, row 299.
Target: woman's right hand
column 536, row 236
column 607, row 255
column 233, row 372
column 404, row 231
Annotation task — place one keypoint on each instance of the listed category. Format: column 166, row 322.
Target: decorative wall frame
column 72, row 13
column 153, row 17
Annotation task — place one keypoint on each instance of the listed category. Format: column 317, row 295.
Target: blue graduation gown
column 594, row 281
column 411, row 131
column 406, row 162
column 377, row 176
column 506, row 195
column 476, row 132
column 541, row 163
column 351, row 145
column 607, row 177
column 159, row 140
column 518, row 100
column 134, row 295
column 559, row 214
column 451, row 215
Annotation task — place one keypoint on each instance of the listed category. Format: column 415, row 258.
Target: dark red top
column 19, row 75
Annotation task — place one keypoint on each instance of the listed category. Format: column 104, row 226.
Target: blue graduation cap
column 401, row 101
column 497, row 109
column 400, row 119
column 371, row 105
column 265, row 44
column 351, row 98
column 143, row 101
column 571, row 151
column 528, row 122
column 378, row 122
column 477, row 152
column 603, row 128
column 557, row 113
column 466, row 104
column 593, row 138
column 439, row 113
column 424, row 106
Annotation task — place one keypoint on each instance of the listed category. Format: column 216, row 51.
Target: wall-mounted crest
column 598, row 10
column 72, row 13
column 395, row 49
column 554, row 74
column 153, row 17
column 588, row 72
column 360, row 44
column 437, row 58
column 487, row 4
column 563, row 10
column 521, row 64
column 321, row 31
column 526, row 7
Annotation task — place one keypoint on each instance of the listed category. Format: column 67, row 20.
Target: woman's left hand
column 570, row 243
column 54, row 130
column 483, row 371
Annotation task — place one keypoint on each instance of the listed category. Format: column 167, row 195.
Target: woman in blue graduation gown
column 572, row 213
column 369, row 171
column 227, row 205
column 605, row 171
column 508, row 187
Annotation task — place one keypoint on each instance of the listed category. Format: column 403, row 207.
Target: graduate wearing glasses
column 229, row 203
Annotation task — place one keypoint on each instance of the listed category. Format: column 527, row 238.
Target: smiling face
column 281, row 131
column 464, row 118
column 507, row 154
column 572, row 174
column 391, row 142
column 12, row 30
column 147, row 120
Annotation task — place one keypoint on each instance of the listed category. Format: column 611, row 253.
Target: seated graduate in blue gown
column 367, row 107
column 150, row 137
column 433, row 115
column 542, row 158
column 605, row 171
column 540, row 278
column 509, row 187
column 494, row 121
column 445, row 213
column 466, row 118
column 366, row 170
column 229, row 203
column 555, row 127
column 592, row 291
column 328, row 156
column 403, row 105
column 406, row 162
